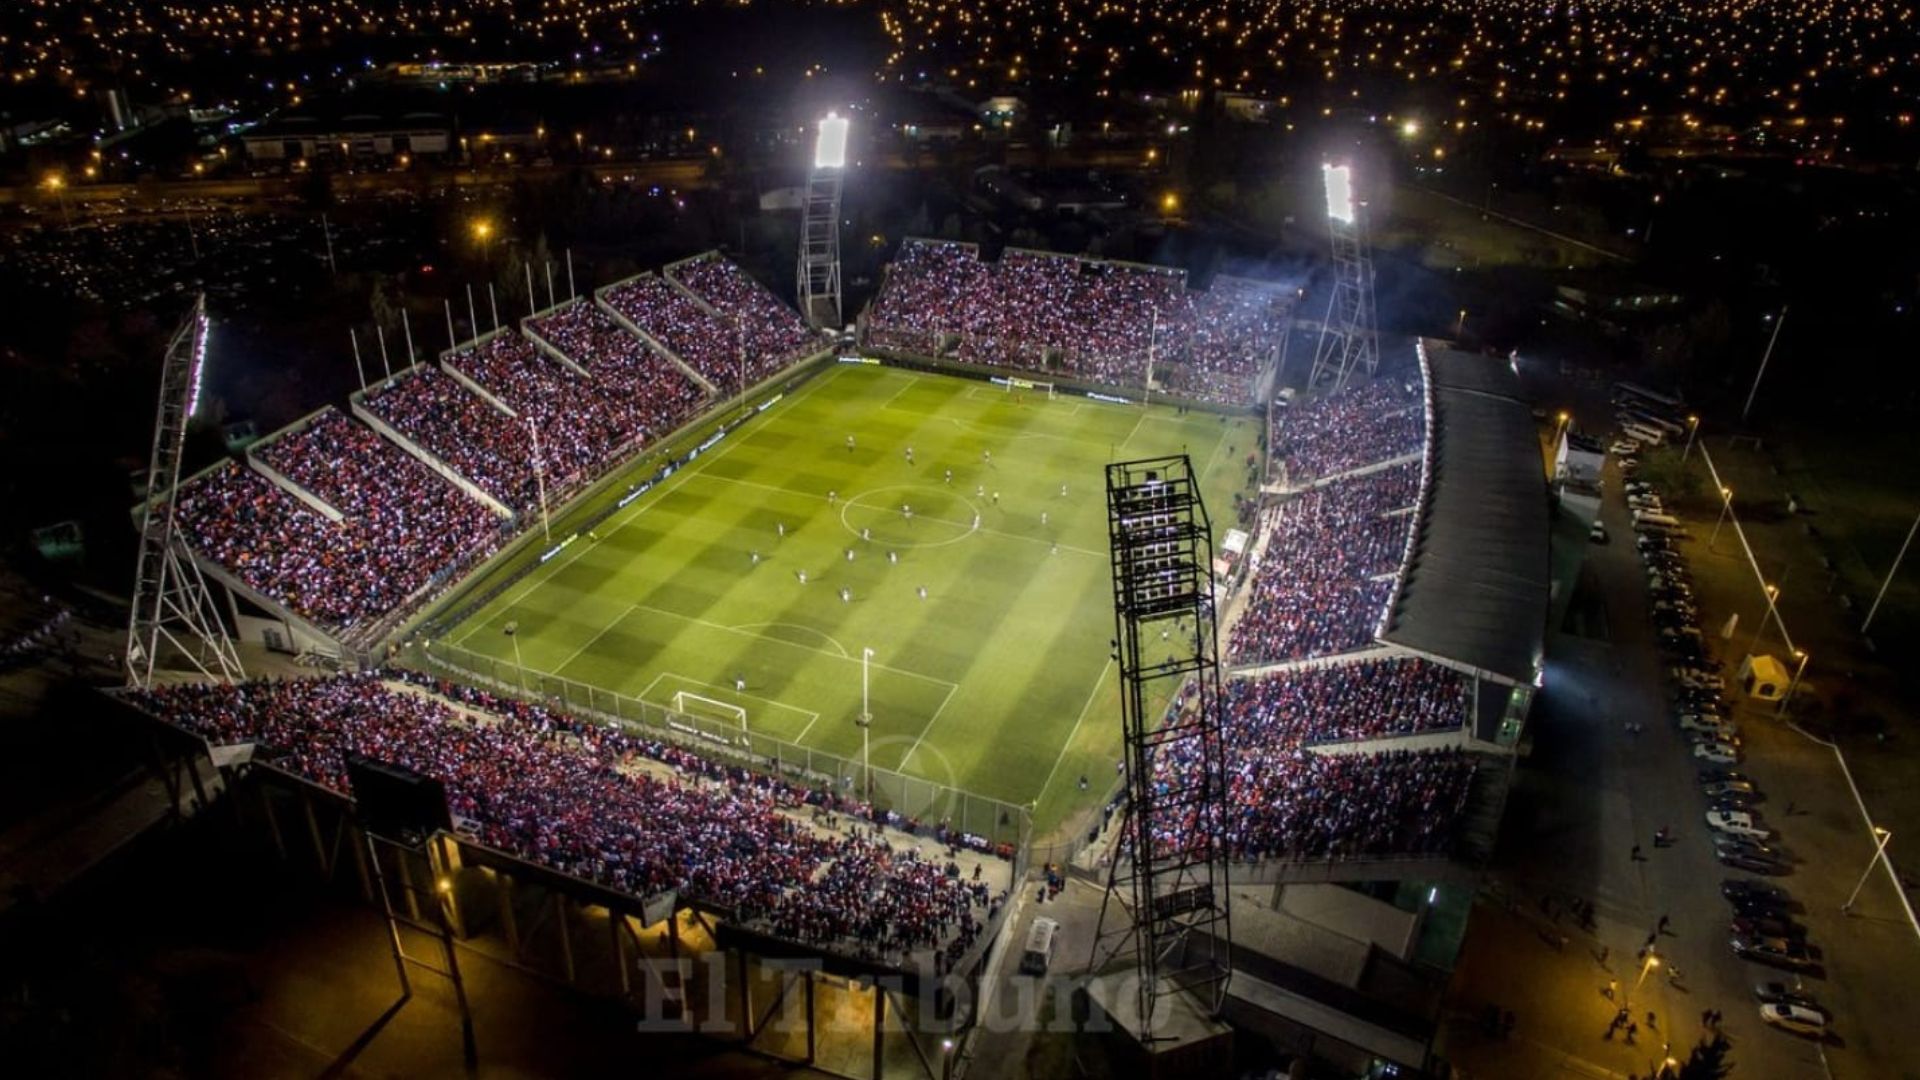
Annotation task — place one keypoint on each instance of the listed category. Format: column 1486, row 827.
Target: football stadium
column 664, row 621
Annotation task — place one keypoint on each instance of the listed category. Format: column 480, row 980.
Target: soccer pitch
column 997, row 682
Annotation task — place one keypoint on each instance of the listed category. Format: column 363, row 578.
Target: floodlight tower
column 1349, row 346
column 171, row 601
column 818, row 289
column 1170, row 877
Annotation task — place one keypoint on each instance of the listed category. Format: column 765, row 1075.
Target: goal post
column 691, row 704
column 1011, row 385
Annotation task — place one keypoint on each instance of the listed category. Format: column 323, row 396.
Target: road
column 673, row 172
column 1591, row 791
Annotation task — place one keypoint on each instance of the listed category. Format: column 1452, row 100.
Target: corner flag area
column 953, row 528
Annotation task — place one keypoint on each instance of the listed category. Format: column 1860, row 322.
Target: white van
column 1039, row 951
column 1644, row 434
column 1653, row 520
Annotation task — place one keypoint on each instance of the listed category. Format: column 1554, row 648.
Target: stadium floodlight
column 199, row 365
column 830, row 150
column 1339, row 192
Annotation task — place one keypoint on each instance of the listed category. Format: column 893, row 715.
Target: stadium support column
column 1349, row 347
column 1169, row 872
column 171, row 602
column 818, row 280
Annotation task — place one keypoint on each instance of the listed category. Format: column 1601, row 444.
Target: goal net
column 688, row 704
column 1014, row 385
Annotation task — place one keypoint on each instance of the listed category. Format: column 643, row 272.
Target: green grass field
column 998, row 682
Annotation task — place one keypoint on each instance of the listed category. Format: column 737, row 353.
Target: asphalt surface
column 1592, row 790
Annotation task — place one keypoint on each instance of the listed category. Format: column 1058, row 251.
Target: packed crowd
column 675, row 320
column 1358, row 426
column 341, row 576
column 1324, row 577
column 398, row 503
column 1286, row 801
column 774, row 334
column 658, row 393
column 580, row 428
column 1102, row 321
column 1368, row 699
column 575, row 797
column 39, row 639
column 478, row 441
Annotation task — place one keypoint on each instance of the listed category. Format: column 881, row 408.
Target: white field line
column 928, row 726
column 791, row 644
column 673, row 483
column 814, row 717
column 1064, row 746
column 929, row 517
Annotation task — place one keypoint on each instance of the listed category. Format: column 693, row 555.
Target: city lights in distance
column 1339, row 192
column 830, row 150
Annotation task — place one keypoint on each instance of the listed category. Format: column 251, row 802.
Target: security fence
column 924, row 803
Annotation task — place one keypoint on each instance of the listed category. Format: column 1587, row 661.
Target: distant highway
column 674, row 172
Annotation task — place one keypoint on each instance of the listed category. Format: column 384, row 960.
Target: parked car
column 1795, row 1018
column 1755, row 864
column 1717, row 753
column 1733, row 791
column 1768, row 926
column 1776, row 952
column 1757, row 908
column 1597, row 534
column 1723, row 776
column 1723, row 738
column 1712, row 725
column 1737, row 823
column 1748, row 889
column 1779, row 993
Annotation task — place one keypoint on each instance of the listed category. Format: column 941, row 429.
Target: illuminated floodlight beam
column 1339, row 192
column 830, row 149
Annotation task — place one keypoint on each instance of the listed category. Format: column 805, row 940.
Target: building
column 354, row 137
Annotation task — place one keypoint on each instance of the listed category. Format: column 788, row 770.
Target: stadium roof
column 1476, row 588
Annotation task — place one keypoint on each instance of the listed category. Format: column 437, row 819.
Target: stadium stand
column 1328, row 436
column 1285, row 801
column 658, row 392
column 1371, row 698
column 580, row 429
column 341, row 576
column 1326, row 567
column 580, row 798
column 475, row 439
column 671, row 317
column 774, row 334
column 405, row 509
column 1086, row 318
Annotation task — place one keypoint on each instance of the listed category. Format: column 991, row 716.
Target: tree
column 1708, row 1061
column 1675, row 481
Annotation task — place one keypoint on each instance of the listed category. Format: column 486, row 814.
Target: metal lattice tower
column 1170, row 875
column 171, row 602
column 818, row 285
column 1349, row 345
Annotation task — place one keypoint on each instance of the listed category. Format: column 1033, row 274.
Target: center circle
column 941, row 516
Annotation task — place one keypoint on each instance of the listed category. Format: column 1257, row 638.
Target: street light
column 483, row 233
column 1693, row 428
column 946, row 1059
column 1879, row 852
column 865, row 723
column 1726, row 506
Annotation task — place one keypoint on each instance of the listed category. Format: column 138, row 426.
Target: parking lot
column 1611, row 767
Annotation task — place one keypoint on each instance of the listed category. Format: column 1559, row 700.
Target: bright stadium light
column 199, row 366
column 1339, row 192
column 830, row 151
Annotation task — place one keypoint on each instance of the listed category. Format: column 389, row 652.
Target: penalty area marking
column 823, row 635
